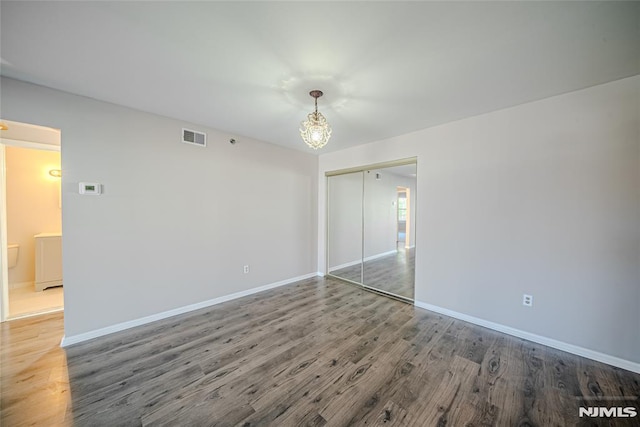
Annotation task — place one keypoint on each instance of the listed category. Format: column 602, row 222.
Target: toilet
column 12, row 258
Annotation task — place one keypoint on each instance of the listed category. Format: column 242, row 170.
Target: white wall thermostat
column 90, row 188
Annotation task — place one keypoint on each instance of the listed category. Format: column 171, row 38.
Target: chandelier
column 315, row 131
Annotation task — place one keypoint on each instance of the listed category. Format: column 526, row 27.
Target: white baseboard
column 21, row 285
column 345, row 265
column 383, row 254
column 78, row 338
column 569, row 348
column 369, row 258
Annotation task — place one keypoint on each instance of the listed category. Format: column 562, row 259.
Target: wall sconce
column 56, row 173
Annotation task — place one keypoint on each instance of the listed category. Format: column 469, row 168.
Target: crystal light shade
column 315, row 131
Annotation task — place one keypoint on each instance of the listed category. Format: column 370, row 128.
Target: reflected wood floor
column 393, row 273
column 317, row 352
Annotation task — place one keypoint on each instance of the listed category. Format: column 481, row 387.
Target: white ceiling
column 387, row 68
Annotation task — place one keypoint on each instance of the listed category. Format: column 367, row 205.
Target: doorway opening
column 30, row 220
column 403, row 218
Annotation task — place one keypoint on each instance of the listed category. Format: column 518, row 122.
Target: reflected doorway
column 403, row 215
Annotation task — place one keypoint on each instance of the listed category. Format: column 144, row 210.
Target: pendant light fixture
column 315, row 131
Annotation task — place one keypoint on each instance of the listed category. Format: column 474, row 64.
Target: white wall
column 176, row 222
column 541, row 198
column 33, row 205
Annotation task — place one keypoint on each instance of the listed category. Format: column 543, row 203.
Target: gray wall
column 542, row 198
column 176, row 222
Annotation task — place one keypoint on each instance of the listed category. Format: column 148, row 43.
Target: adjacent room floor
column 25, row 300
column 316, row 352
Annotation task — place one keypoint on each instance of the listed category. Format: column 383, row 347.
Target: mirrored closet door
column 382, row 208
column 389, row 242
column 344, row 225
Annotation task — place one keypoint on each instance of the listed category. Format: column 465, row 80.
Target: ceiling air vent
column 194, row 137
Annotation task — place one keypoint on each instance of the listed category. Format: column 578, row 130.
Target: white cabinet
column 48, row 260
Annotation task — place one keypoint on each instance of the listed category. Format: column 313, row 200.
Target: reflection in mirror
column 345, row 226
column 389, row 230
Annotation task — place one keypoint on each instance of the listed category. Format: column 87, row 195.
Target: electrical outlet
column 246, row 269
column 527, row 300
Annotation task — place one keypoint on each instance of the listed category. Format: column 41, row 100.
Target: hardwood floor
column 34, row 385
column 317, row 352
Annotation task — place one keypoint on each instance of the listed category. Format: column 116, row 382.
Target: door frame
column 4, row 251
